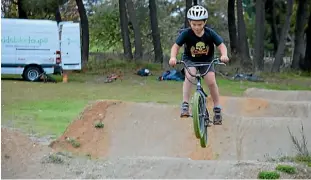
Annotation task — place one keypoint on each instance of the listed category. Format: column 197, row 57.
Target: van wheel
column 32, row 73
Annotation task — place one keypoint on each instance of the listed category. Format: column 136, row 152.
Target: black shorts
column 202, row 69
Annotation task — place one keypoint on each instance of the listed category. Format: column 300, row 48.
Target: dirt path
column 148, row 140
column 19, row 153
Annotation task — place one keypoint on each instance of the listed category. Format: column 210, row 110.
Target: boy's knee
column 210, row 79
column 211, row 84
column 189, row 79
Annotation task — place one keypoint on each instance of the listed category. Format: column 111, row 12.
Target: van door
column 8, row 49
column 70, row 46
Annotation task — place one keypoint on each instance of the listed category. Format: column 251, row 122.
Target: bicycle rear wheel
column 196, row 114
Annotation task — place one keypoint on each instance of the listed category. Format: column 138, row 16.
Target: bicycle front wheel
column 197, row 114
column 203, row 139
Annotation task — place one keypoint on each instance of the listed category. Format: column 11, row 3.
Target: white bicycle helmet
column 197, row 12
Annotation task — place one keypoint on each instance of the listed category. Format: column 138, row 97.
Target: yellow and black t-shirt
column 199, row 49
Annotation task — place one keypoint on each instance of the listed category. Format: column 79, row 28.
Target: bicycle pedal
column 185, row 116
column 217, row 123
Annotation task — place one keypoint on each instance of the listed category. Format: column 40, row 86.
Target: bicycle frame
column 200, row 114
column 198, row 75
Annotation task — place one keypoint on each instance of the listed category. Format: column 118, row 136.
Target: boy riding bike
column 199, row 47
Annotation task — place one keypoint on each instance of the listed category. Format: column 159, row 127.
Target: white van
column 30, row 47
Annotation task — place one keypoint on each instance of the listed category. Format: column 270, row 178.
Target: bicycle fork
column 205, row 111
column 204, row 96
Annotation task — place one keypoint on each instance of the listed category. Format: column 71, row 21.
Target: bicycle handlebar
column 198, row 64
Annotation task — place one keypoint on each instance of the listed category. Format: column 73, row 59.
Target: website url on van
column 24, row 40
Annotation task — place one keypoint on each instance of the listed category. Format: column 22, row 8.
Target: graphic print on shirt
column 199, row 49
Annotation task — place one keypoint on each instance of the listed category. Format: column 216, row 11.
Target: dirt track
column 153, row 142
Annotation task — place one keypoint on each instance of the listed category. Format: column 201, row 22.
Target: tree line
column 135, row 28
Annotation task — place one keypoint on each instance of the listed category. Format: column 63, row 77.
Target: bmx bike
column 200, row 114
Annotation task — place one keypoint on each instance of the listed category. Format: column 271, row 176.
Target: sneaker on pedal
column 184, row 110
column 217, row 116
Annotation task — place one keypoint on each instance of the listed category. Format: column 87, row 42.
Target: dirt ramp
column 18, row 152
column 133, row 129
column 278, row 95
column 82, row 137
column 256, row 138
column 252, row 128
column 258, row 107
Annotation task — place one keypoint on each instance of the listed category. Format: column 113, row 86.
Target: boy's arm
column 178, row 43
column 222, row 49
column 174, row 50
column 220, row 46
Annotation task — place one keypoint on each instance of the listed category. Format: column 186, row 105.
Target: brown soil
column 15, row 145
column 116, row 116
column 241, row 106
column 252, row 127
column 118, row 132
column 93, row 141
column 17, row 151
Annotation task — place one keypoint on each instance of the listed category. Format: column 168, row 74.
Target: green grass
column 286, row 169
column 302, row 159
column 99, row 125
column 268, row 175
column 73, row 142
column 48, row 108
column 44, row 117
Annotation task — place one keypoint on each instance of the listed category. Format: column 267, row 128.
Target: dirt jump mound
column 132, row 129
column 252, row 129
column 259, row 127
column 278, row 95
column 139, row 140
column 17, row 152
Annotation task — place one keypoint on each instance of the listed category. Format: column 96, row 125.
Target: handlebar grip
column 218, row 62
column 221, row 63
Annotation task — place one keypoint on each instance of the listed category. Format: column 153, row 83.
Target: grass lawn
column 48, row 108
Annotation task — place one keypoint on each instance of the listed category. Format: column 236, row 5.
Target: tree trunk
column 275, row 34
column 246, row 63
column 232, row 29
column 281, row 47
column 125, row 31
column 301, row 20
column 188, row 6
column 85, row 31
column 260, row 35
column 155, row 32
column 137, row 34
column 21, row 11
column 306, row 64
column 58, row 17
column 271, row 19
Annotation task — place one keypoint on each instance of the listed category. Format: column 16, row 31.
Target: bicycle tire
column 202, row 112
column 203, row 139
column 203, row 122
column 195, row 114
